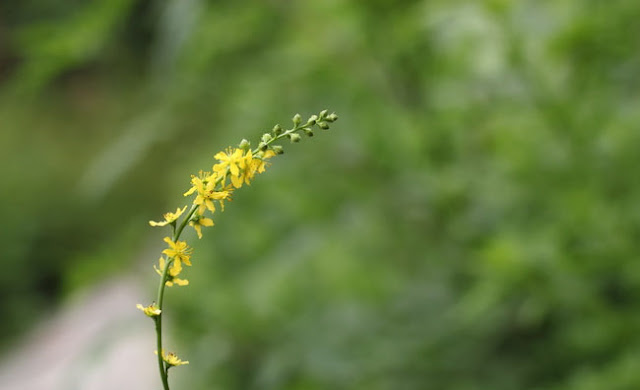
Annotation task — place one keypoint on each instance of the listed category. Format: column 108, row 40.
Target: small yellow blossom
column 152, row 310
column 232, row 159
column 198, row 221
column 172, row 273
column 247, row 173
column 172, row 359
column 206, row 193
column 204, row 177
column 260, row 163
column 178, row 250
column 242, row 167
column 169, row 217
column 256, row 164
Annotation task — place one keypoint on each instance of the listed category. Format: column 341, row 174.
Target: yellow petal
column 180, row 282
column 198, row 228
column 237, row 181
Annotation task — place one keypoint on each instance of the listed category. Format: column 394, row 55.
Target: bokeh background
column 472, row 221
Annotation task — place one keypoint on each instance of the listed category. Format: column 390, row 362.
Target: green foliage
column 470, row 224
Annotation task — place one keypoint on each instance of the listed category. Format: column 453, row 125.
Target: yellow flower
column 256, row 164
column 203, row 177
column 260, row 164
column 242, row 167
column 152, row 310
column 206, row 193
column 198, row 221
column 172, row 359
column 172, row 273
column 247, row 172
column 178, row 250
column 231, row 159
column 169, row 217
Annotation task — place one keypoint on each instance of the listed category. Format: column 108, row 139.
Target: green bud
column 323, row 125
column 312, row 120
column 294, row 137
column 308, row 131
column 263, row 146
column 277, row 130
column 266, row 137
column 332, row 117
column 296, row 119
column 323, row 113
column 244, row 144
column 277, row 149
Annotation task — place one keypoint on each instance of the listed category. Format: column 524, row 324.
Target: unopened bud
column 294, row 137
column 244, row 144
column 277, row 149
column 323, row 113
column 296, row 119
column 332, row 117
column 266, row 137
column 323, row 125
column 262, row 146
column 308, row 131
column 277, row 130
column 312, row 120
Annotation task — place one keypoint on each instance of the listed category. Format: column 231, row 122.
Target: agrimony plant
column 234, row 167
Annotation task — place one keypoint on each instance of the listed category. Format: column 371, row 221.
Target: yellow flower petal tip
column 169, row 217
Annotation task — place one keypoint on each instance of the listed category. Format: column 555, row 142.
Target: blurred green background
column 471, row 222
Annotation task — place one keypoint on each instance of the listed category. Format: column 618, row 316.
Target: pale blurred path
column 97, row 341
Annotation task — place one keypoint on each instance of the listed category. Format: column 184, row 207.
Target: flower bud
column 277, row 130
column 266, row 137
column 312, row 120
column 296, row 119
column 262, row 146
column 323, row 113
column 323, row 125
column 332, row 117
column 308, row 131
column 277, row 149
column 294, row 137
column 244, row 144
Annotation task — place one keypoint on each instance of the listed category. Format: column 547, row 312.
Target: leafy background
column 470, row 222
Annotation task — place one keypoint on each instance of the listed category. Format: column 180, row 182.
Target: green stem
column 282, row 135
column 161, row 363
column 178, row 231
column 163, row 367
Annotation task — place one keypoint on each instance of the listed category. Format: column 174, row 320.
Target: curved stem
column 164, row 369
column 178, row 231
column 161, row 363
column 284, row 134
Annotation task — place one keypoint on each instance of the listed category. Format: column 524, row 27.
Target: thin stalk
column 161, row 363
column 178, row 231
column 162, row 366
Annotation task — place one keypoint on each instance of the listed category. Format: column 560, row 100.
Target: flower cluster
column 233, row 168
